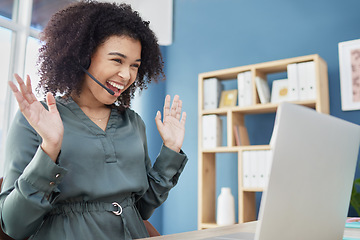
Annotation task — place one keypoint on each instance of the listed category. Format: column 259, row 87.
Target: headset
column 97, row 81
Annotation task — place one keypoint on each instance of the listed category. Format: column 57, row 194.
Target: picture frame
column 280, row 91
column 349, row 66
column 228, row 98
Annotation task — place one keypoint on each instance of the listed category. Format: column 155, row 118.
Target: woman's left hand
column 172, row 128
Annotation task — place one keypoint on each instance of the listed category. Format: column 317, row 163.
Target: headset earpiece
column 87, row 64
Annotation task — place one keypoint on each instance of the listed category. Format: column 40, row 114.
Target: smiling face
column 115, row 63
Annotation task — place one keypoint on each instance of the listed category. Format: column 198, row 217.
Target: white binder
column 212, row 131
column 241, row 89
column 262, row 161
column 302, row 79
column 293, row 82
column 248, row 89
column 212, row 92
column 311, row 80
column 246, row 169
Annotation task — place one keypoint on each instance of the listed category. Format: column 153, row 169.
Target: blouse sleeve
column 30, row 181
column 162, row 177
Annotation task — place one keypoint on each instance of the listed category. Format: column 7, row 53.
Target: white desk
column 242, row 227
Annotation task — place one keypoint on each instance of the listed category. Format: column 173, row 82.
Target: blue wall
column 217, row 34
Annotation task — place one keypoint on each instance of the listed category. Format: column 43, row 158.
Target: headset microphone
column 97, row 81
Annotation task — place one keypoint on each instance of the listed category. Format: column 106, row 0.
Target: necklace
column 98, row 119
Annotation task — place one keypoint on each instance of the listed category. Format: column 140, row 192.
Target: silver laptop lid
column 314, row 162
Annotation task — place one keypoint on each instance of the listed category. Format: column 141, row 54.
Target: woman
column 78, row 166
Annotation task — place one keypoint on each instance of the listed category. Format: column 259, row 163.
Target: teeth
column 121, row 87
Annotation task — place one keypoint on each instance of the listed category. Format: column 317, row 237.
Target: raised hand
column 47, row 123
column 172, row 128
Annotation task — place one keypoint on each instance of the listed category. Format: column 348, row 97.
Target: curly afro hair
column 72, row 36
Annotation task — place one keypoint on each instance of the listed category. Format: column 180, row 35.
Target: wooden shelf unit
column 235, row 116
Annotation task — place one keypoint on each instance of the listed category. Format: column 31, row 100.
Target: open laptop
column 311, row 178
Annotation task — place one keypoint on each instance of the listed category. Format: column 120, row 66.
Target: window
column 6, row 8
column 19, row 46
column 5, row 43
column 31, row 60
column 42, row 10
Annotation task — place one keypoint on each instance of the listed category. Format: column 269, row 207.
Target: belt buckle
column 119, row 211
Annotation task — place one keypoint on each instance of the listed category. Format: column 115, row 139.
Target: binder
column 293, row 82
column 212, row 131
column 254, row 174
column 268, row 166
column 212, row 92
column 302, row 80
column 311, row 80
column 262, row 161
column 241, row 89
column 248, row 89
column 246, row 169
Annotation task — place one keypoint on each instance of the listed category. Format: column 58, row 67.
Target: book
column 352, row 225
column 263, row 89
column 237, row 135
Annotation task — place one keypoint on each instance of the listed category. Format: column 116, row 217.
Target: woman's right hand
column 47, row 123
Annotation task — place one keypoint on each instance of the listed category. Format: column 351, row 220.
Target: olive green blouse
column 102, row 186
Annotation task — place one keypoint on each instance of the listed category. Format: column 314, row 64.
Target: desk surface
column 244, row 227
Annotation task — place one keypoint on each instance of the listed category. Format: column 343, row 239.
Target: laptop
column 311, row 177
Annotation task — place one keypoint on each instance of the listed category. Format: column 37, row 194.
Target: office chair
column 149, row 227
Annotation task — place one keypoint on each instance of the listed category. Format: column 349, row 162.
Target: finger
column 50, row 100
column 174, row 106
column 29, row 88
column 13, row 87
column 28, row 84
column 18, row 79
column 19, row 97
column 21, row 83
column 158, row 120
column 183, row 119
column 167, row 106
column 24, row 89
column 178, row 110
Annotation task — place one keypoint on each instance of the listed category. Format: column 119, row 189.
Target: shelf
column 209, row 225
column 225, row 149
column 222, row 149
column 253, row 189
column 255, row 109
column 235, row 116
column 267, row 67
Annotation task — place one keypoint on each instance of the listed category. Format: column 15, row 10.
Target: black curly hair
column 72, row 36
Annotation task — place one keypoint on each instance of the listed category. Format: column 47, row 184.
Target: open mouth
column 116, row 87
